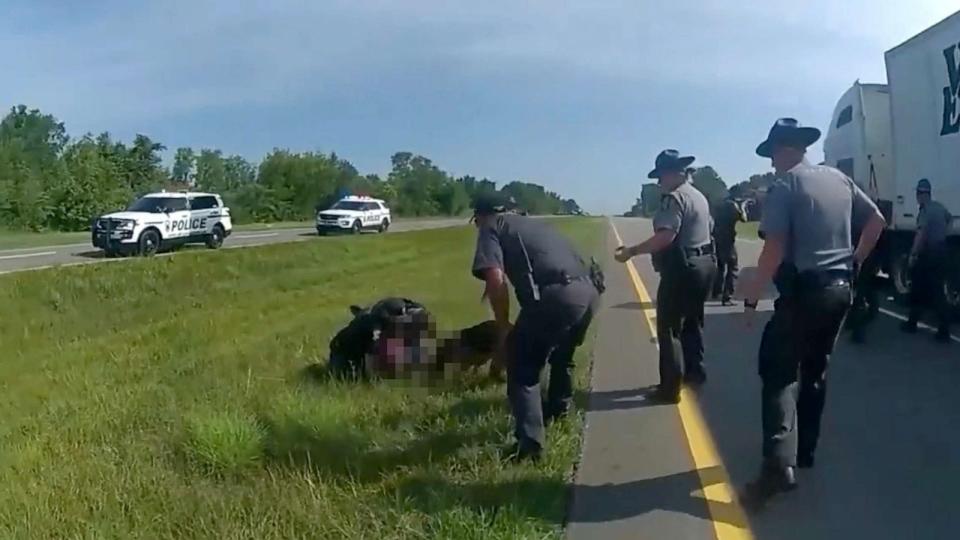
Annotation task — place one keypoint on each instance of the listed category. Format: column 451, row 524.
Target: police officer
column 806, row 226
column 928, row 263
column 728, row 215
column 557, row 298
column 683, row 255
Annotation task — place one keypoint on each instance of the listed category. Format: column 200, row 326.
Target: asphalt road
column 17, row 260
column 887, row 459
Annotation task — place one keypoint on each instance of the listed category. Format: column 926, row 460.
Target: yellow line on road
column 729, row 520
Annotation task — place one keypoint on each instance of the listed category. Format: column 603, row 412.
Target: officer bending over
column 683, row 255
column 806, row 226
column 928, row 263
column 557, row 301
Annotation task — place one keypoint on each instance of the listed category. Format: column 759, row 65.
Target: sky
column 576, row 96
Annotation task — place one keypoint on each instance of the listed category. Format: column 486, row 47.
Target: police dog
column 470, row 348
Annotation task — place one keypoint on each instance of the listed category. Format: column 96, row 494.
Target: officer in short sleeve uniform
column 729, row 214
column 808, row 217
column 682, row 253
column 929, row 262
column 557, row 300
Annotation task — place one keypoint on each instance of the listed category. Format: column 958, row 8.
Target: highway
column 887, row 459
column 18, row 260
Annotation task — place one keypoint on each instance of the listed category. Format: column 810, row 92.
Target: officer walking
column 683, row 255
column 806, row 226
column 558, row 296
column 928, row 263
column 728, row 215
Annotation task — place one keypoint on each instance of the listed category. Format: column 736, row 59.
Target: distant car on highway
column 164, row 220
column 354, row 214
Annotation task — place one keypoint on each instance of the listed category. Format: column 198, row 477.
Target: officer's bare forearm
column 658, row 242
column 770, row 258
column 869, row 237
column 498, row 295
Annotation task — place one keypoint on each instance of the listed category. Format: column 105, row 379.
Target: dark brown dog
column 469, row 348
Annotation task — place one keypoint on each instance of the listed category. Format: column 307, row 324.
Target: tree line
column 49, row 181
column 706, row 179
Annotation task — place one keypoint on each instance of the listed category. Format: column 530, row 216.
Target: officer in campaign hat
column 683, row 255
column 808, row 216
column 928, row 263
column 558, row 295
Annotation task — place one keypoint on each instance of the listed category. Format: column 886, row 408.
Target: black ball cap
column 490, row 203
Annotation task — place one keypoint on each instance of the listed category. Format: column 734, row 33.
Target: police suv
column 163, row 220
column 354, row 214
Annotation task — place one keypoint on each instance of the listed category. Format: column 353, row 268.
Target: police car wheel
column 149, row 243
column 384, row 225
column 356, row 227
column 215, row 240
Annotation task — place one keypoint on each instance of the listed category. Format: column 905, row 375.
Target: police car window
column 371, row 206
column 348, row 205
column 203, row 203
column 157, row 205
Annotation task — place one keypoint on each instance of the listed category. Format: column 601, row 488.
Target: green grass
column 748, row 230
column 162, row 398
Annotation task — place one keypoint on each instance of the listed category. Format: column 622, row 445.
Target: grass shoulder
column 167, row 398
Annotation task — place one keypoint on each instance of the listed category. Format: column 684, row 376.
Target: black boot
column 942, row 335
column 909, row 327
column 771, row 482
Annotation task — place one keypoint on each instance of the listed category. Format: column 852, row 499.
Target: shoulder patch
column 666, row 199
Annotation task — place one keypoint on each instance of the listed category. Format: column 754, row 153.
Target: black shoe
column 660, row 395
column 517, row 453
column 804, row 461
column 909, row 327
column 726, row 301
column 551, row 416
column 942, row 336
column 770, row 483
column 695, row 378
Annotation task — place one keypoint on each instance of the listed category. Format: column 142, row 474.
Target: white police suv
column 163, row 220
column 354, row 214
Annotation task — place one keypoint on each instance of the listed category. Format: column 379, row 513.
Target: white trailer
column 888, row 136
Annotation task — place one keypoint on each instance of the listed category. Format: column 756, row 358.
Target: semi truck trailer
column 886, row 137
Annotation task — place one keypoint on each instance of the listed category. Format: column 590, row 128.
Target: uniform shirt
column 686, row 212
column 815, row 209
column 935, row 220
column 725, row 224
column 550, row 254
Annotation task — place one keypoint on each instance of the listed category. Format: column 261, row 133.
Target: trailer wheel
column 900, row 275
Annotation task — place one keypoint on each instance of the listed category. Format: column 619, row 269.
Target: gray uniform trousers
column 546, row 331
column 794, row 353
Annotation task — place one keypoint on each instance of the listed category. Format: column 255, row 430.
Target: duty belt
column 706, row 249
column 824, row 278
column 564, row 279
